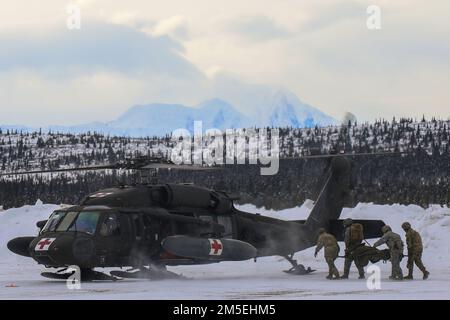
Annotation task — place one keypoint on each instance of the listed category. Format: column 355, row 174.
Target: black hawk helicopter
column 148, row 226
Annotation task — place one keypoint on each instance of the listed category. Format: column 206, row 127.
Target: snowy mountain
column 286, row 110
column 160, row 119
column 281, row 109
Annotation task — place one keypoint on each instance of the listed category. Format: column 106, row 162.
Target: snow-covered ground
column 20, row 279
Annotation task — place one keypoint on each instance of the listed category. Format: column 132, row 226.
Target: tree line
column 422, row 176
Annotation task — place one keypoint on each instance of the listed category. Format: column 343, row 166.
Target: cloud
column 256, row 28
column 94, row 73
column 97, row 46
column 176, row 51
column 175, row 26
column 322, row 17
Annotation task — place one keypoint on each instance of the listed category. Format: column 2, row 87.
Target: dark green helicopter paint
column 179, row 224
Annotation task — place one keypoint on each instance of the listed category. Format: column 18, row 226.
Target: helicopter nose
column 20, row 246
column 83, row 250
column 63, row 249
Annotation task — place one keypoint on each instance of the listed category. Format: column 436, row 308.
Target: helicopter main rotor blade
column 146, row 164
column 177, row 167
column 127, row 165
column 99, row 167
column 354, row 154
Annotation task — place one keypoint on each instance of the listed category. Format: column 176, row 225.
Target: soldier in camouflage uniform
column 395, row 245
column 329, row 242
column 350, row 245
column 415, row 248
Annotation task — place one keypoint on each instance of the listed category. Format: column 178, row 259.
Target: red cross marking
column 216, row 246
column 43, row 243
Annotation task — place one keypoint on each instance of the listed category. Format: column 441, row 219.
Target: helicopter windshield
column 84, row 221
column 53, row 221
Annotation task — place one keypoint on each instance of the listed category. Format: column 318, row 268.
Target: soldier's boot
column 346, row 272
column 400, row 273
column 336, row 274
column 393, row 275
column 410, row 275
column 396, row 273
column 423, row 269
column 333, row 273
column 330, row 271
column 361, row 273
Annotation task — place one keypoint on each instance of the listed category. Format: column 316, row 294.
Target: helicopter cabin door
column 147, row 237
column 151, row 234
column 111, row 239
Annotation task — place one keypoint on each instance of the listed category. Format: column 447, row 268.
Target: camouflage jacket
column 413, row 241
column 392, row 240
column 348, row 238
column 326, row 240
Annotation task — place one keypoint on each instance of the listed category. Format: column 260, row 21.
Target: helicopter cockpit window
column 53, row 221
column 110, row 226
column 86, row 222
column 67, row 221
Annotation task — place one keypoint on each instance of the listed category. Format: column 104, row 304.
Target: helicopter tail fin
column 332, row 197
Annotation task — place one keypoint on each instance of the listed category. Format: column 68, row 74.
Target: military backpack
column 356, row 233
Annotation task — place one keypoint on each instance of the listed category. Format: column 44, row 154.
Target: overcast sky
column 176, row 51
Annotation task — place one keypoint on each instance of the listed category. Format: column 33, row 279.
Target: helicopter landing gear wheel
column 296, row 269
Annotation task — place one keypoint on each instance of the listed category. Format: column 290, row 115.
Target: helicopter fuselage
column 115, row 237
column 180, row 224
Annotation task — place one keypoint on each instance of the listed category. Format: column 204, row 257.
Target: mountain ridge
column 159, row 119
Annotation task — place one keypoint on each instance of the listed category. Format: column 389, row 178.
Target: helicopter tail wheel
column 297, row 269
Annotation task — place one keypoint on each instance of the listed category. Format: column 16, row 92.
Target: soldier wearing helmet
column 415, row 249
column 395, row 245
column 347, row 222
column 353, row 238
column 329, row 242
